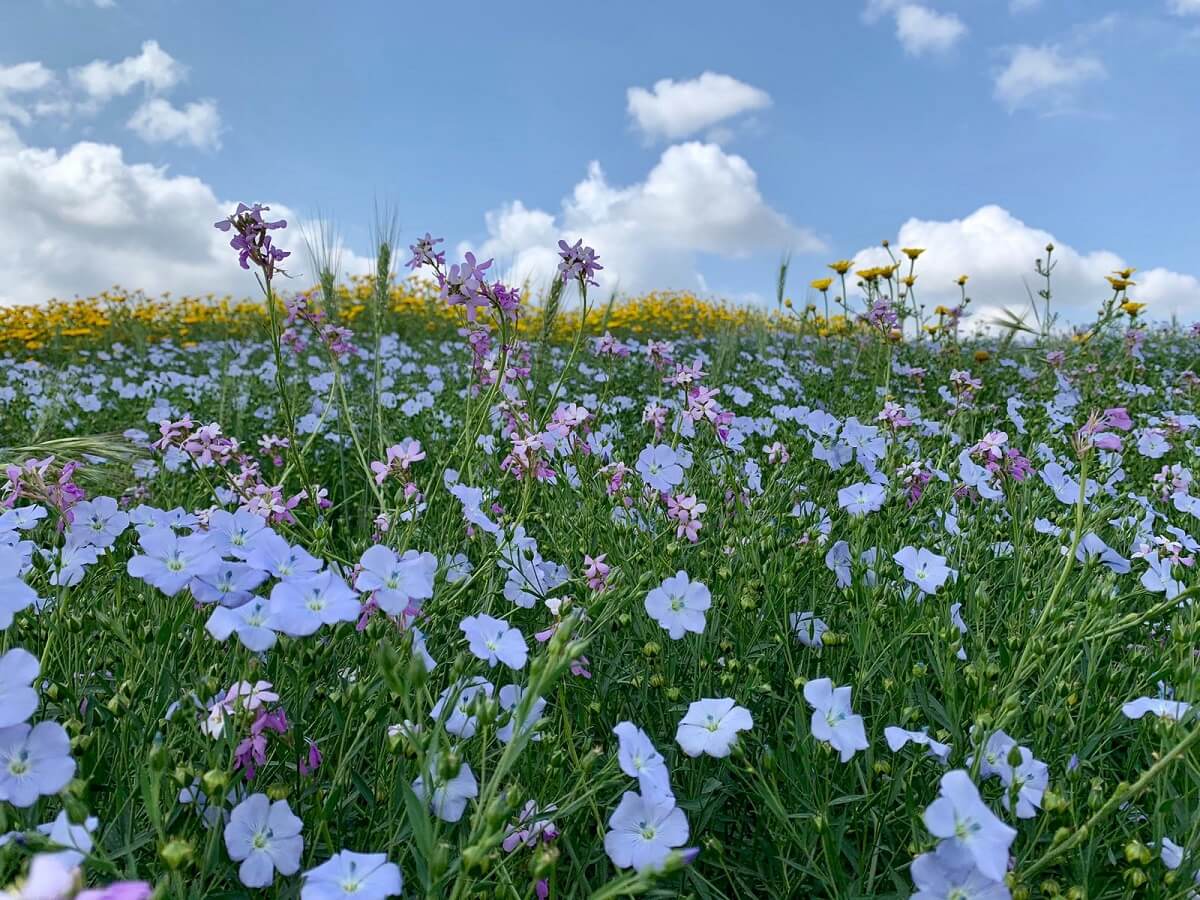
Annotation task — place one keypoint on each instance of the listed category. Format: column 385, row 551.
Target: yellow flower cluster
column 133, row 317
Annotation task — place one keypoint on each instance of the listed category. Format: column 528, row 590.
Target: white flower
column 494, row 640
column 639, row 759
column 809, row 630
column 711, row 727
column 832, row 719
column 643, row 832
column 678, row 605
column 361, row 876
column 959, row 815
column 897, row 738
column 1161, row 707
column 447, row 798
column 264, row 837
column 18, row 669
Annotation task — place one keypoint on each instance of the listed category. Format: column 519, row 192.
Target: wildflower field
column 444, row 590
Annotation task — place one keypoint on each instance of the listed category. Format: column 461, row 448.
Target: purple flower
column 251, row 240
column 425, row 254
column 248, row 622
column 400, row 583
column 169, row 562
column 862, row 498
column 299, row 607
column 577, row 262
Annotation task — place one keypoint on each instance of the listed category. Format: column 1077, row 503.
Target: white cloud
column 921, row 30
column 1184, row 7
column 81, row 220
column 153, row 68
column 676, row 109
column 997, row 250
column 197, row 124
column 697, row 199
column 22, row 78
column 1043, row 74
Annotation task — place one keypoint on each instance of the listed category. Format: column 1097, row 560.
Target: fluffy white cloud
column 997, row 250
column 153, row 68
column 676, row 109
column 919, row 29
column 1043, row 74
column 922, row 30
column 22, row 78
column 197, row 124
column 1184, row 7
column 697, row 199
column 81, row 220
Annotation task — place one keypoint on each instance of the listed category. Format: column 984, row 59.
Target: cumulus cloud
column 997, row 250
column 697, row 200
column 677, row 109
column 919, row 29
column 21, row 79
column 1044, row 74
column 197, row 124
column 153, row 69
column 81, row 220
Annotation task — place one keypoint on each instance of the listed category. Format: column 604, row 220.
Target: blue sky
column 986, row 123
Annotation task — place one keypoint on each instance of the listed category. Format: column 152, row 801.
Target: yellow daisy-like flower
column 842, row 266
column 1124, row 273
column 941, row 310
column 912, row 252
column 982, row 356
column 961, row 280
column 821, row 284
column 1119, row 284
column 1132, row 307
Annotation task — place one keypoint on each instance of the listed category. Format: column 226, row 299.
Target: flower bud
column 177, row 853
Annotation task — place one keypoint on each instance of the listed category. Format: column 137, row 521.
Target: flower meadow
column 836, row 602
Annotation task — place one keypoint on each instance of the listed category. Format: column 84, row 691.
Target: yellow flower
column 870, row 274
column 1124, row 273
column 842, row 266
column 941, row 311
column 1132, row 307
column 908, row 280
column 1119, row 284
column 912, row 252
column 982, row 356
column 821, row 284
column 961, row 280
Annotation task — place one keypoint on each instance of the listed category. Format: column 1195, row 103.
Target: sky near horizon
column 691, row 144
